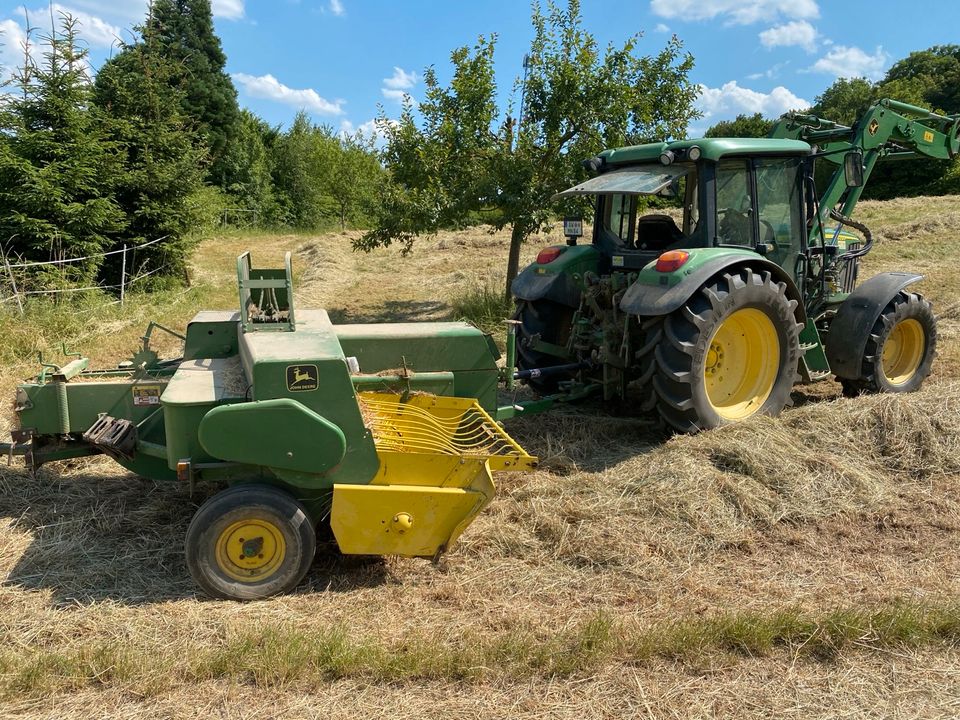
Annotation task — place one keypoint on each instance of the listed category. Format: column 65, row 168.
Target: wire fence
column 127, row 280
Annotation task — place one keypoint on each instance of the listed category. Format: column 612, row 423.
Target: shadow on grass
column 392, row 311
column 87, row 537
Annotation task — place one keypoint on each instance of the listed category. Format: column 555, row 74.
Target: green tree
column 58, row 168
column 743, row 126
column 163, row 158
column 845, row 100
column 297, row 165
column 464, row 156
column 353, row 176
column 184, row 30
column 249, row 166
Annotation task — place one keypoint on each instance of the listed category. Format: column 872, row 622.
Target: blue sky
column 339, row 59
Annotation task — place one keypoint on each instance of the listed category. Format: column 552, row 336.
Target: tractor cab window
column 779, row 209
column 734, row 203
column 620, row 217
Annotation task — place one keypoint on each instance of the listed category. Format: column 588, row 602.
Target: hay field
column 797, row 567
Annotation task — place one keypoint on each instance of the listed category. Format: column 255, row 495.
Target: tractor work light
column 667, row 157
column 549, row 254
column 694, row 153
column 671, row 260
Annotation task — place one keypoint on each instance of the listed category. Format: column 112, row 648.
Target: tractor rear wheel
column 900, row 350
column 730, row 352
column 250, row 542
column 550, row 322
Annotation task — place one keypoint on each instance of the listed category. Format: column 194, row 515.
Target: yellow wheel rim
column 742, row 363
column 903, row 351
column 250, row 550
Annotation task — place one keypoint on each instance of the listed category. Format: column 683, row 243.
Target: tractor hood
column 637, row 180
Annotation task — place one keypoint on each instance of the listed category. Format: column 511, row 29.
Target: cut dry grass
column 802, row 565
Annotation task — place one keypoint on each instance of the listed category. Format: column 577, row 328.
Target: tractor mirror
column 853, row 168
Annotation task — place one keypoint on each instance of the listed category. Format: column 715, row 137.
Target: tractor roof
column 711, row 149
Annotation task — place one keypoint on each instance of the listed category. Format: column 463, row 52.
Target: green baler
column 384, row 431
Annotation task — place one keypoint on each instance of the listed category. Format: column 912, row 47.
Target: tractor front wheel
column 899, row 352
column 250, row 542
column 730, row 352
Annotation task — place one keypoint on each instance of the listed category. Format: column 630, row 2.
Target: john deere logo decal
column 302, row 377
column 873, row 127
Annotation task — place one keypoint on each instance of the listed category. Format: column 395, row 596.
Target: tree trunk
column 517, row 236
column 343, row 217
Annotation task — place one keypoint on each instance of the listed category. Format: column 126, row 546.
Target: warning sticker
column 302, row 377
column 147, row 394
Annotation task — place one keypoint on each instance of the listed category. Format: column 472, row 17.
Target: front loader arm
column 889, row 129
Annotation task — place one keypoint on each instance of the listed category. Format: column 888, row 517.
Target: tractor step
column 115, row 437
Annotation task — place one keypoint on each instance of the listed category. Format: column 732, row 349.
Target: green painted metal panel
column 457, row 348
column 710, row 149
column 814, row 356
column 309, row 366
column 698, row 257
column 212, row 334
column 280, row 434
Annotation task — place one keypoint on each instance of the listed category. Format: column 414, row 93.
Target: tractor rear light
column 672, row 260
column 549, row 254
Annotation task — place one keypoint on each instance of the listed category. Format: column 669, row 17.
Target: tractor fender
column 855, row 318
column 558, row 287
column 653, row 300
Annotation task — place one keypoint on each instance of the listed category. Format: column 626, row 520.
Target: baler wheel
column 900, row 350
column 249, row 542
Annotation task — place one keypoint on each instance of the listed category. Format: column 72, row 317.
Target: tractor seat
column 656, row 232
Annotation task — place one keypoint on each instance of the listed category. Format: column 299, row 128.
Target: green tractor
column 714, row 318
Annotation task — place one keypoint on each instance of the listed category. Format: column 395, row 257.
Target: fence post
column 13, row 282
column 123, row 274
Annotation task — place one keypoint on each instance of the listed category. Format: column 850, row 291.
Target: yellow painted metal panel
column 412, row 521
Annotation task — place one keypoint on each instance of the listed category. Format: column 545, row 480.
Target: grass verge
column 272, row 655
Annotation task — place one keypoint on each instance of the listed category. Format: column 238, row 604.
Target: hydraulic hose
column 844, row 220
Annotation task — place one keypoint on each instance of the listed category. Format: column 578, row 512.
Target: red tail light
column 549, row 254
column 672, row 260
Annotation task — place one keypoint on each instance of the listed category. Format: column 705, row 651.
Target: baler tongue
column 436, row 456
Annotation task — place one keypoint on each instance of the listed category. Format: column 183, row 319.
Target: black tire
column 907, row 315
column 281, row 527
column 551, row 322
column 691, row 350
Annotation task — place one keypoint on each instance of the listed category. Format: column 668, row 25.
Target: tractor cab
column 739, row 193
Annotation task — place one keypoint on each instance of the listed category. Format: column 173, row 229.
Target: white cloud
column 396, row 86
column 11, row 53
column 228, row 9
column 269, row 88
column 401, row 79
column 91, row 28
column 797, row 32
column 843, row 61
column 737, row 12
column 661, row 28
column 395, row 95
column 336, row 7
column 769, row 73
column 731, row 99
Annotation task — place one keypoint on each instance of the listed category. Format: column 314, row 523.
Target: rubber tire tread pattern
column 226, row 507
column 552, row 322
column 904, row 306
column 682, row 401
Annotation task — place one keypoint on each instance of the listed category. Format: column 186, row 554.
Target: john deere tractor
column 712, row 318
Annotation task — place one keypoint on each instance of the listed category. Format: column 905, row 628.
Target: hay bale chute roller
column 309, row 423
